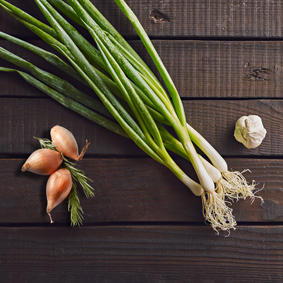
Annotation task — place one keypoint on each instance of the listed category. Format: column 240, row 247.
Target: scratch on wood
column 258, row 74
column 157, row 17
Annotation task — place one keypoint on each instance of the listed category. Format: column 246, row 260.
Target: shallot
column 58, row 187
column 43, row 162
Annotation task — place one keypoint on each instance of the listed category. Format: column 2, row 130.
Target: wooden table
column 144, row 225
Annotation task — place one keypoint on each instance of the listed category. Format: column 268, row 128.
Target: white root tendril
column 51, row 221
column 221, row 187
column 238, row 187
column 217, row 213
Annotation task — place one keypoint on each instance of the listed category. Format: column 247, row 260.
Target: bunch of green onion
column 129, row 92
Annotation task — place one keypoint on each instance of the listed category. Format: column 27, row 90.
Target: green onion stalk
column 238, row 187
column 214, row 208
column 145, row 134
column 221, row 183
column 82, row 66
column 176, row 119
column 136, row 84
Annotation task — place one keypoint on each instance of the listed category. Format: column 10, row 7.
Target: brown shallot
column 66, row 143
column 58, row 187
column 43, row 162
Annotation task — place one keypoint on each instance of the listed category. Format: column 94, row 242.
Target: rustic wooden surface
column 144, row 225
column 143, row 253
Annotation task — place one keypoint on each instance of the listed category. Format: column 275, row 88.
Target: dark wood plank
column 210, row 69
column 230, row 69
column 141, row 254
column 21, row 119
column 194, row 18
column 135, row 190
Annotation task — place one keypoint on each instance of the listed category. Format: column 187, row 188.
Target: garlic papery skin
column 249, row 131
column 58, row 187
column 43, row 162
column 66, row 143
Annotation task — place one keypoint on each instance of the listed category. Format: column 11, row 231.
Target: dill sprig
column 78, row 176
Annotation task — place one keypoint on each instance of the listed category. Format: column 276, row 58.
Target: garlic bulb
column 58, row 187
column 249, row 131
column 43, row 162
column 66, row 143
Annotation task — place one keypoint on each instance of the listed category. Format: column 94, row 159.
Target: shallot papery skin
column 58, row 187
column 66, row 143
column 43, row 162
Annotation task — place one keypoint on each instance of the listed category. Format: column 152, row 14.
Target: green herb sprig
column 78, row 176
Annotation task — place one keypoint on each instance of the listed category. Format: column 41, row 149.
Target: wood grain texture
column 22, row 119
column 135, row 190
column 188, row 18
column 144, row 225
column 199, row 69
column 141, row 254
column 221, row 69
